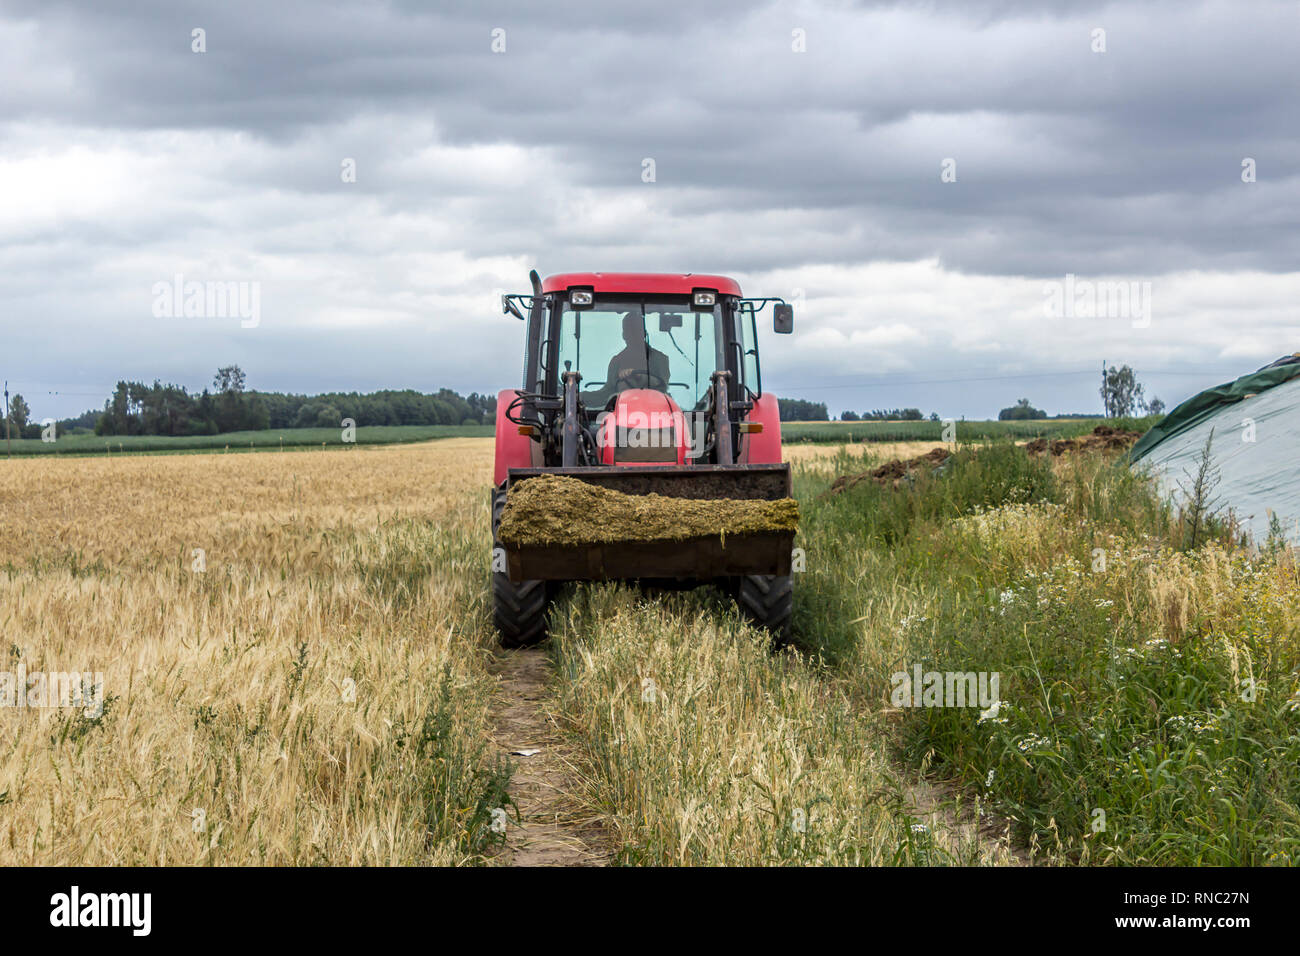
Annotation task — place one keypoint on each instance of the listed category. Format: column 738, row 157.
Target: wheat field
column 293, row 652
column 298, row 668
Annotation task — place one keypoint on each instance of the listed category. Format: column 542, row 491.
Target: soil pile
column 1101, row 438
column 892, row 472
column 899, row 471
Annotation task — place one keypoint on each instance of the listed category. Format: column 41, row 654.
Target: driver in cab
column 636, row 366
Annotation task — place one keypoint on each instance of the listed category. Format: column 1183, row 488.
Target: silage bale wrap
column 556, row 510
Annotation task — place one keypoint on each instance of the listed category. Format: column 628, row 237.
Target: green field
column 271, row 439
column 304, row 438
column 837, row 432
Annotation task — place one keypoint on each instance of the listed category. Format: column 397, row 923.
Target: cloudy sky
column 920, row 178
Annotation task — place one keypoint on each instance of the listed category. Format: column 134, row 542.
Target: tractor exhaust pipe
column 572, row 427
column 722, row 418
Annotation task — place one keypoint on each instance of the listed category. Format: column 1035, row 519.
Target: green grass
column 702, row 748
column 1149, row 690
column 835, row 432
column 271, row 439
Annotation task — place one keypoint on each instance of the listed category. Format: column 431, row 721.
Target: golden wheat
column 270, row 629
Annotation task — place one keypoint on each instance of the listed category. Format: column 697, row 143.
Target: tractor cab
column 647, row 352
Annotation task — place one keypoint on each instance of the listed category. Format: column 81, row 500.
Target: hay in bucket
column 558, row 510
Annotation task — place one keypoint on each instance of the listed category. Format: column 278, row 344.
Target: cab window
column 618, row 345
column 747, row 337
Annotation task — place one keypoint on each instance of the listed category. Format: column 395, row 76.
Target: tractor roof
column 668, row 283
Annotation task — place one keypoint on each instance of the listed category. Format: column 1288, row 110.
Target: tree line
column 135, row 408
column 229, row 405
column 799, row 410
column 888, row 415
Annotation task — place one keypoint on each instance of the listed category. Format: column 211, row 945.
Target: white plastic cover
column 1255, row 454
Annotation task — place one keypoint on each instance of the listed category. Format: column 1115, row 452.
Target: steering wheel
column 648, row 376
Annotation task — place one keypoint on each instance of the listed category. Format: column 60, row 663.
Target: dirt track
column 939, row 805
column 551, row 830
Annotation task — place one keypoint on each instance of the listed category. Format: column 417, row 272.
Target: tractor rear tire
column 768, row 601
column 518, row 610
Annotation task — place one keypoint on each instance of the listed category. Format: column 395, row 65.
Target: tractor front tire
column 518, row 610
column 768, row 601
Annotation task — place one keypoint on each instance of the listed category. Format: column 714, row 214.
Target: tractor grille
column 646, row 445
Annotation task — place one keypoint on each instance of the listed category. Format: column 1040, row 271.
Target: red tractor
column 644, row 383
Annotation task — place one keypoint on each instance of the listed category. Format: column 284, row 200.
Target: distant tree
column 229, row 379
column 256, row 416
column 934, row 416
column 893, row 415
column 306, row 417
column 799, row 410
column 118, row 417
column 206, row 413
column 84, row 422
column 237, row 410
column 483, row 407
column 1155, row 407
column 848, row 416
column 1021, row 411
column 329, row 417
column 1120, row 392
column 18, row 412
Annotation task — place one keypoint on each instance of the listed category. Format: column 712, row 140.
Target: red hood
column 646, row 427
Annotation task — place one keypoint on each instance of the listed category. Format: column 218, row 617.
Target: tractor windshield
column 641, row 344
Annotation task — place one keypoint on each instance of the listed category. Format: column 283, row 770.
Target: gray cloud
column 128, row 158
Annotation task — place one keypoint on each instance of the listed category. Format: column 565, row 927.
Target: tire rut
column 552, row 829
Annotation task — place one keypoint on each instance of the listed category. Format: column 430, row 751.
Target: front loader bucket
column 700, row 558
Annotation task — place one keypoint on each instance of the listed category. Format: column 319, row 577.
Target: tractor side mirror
column 508, row 307
column 783, row 318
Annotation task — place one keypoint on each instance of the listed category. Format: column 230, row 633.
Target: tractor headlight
column 580, row 298
column 705, row 298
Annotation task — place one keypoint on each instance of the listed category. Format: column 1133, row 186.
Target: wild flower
column 1012, row 522
column 1007, row 599
column 1182, row 724
column 1032, row 743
